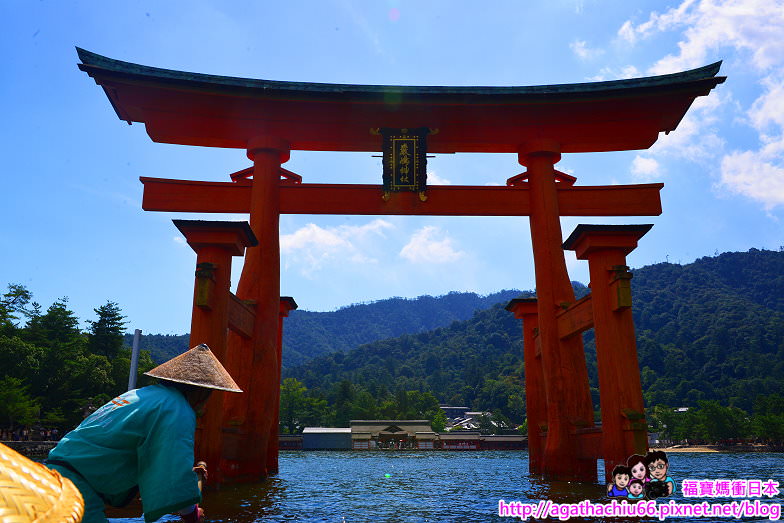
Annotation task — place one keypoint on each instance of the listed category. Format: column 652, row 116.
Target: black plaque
column 405, row 160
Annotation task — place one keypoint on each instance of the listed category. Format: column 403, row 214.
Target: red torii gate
column 269, row 119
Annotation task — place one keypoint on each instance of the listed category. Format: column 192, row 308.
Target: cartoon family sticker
column 643, row 477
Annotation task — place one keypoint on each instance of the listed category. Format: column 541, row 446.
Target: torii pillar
column 624, row 430
column 287, row 304
column 526, row 309
column 255, row 360
column 569, row 407
column 215, row 242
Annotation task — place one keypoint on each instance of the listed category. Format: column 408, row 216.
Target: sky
column 71, row 197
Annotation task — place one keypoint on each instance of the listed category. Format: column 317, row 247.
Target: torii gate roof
column 221, row 111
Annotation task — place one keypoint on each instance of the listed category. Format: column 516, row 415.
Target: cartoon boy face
column 658, row 469
column 638, row 471
column 635, row 489
column 621, row 480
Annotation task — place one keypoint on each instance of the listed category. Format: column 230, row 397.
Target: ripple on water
column 432, row 486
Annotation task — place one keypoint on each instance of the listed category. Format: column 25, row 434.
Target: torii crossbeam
column 454, row 200
column 268, row 119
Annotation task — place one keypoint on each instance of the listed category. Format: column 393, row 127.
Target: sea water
column 445, row 486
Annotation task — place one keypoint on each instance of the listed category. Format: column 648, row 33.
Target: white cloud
column 751, row 174
column 180, row 240
column 753, row 28
column 645, row 169
column 581, row 49
column 767, row 111
column 312, row 236
column 657, row 23
column 759, row 174
column 696, row 138
column 430, row 245
column 434, row 179
column 627, row 32
column 311, row 246
column 610, row 73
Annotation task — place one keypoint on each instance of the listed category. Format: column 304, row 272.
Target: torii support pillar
column 251, row 417
column 624, row 430
column 215, row 242
column 569, row 408
column 535, row 400
column 287, row 304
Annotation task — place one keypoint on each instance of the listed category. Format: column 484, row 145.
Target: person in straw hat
column 142, row 441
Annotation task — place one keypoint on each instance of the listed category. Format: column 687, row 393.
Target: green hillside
column 308, row 334
column 710, row 337
column 710, row 330
column 161, row 347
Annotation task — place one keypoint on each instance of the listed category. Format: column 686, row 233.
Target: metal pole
column 137, row 335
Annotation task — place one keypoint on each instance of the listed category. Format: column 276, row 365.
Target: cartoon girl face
column 638, row 471
column 635, row 489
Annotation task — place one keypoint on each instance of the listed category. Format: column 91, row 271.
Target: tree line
column 344, row 401
column 710, row 337
column 708, row 422
column 712, row 423
column 475, row 363
column 52, row 373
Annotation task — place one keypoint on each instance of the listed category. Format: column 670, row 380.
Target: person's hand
column 201, row 470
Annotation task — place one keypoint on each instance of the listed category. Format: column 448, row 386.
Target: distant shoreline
column 719, row 448
column 42, row 448
column 31, row 449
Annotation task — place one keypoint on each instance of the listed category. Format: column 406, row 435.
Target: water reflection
column 255, row 502
column 432, row 486
column 564, row 491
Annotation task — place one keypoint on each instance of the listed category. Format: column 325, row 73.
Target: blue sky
column 71, row 205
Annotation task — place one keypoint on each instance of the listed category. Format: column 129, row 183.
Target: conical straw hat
column 198, row 367
column 32, row 493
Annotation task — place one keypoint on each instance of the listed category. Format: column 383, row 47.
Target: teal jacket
column 144, row 439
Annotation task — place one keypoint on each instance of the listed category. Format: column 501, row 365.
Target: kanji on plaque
column 405, row 160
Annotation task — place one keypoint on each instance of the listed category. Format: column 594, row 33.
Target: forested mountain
column 477, row 362
column 710, row 336
column 710, row 330
column 161, row 347
column 308, row 334
column 713, row 329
